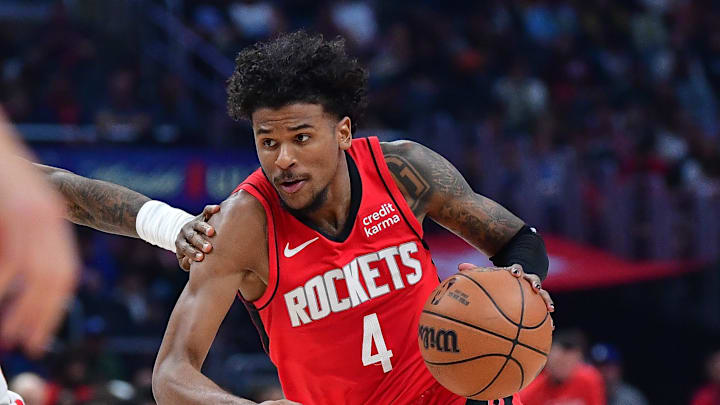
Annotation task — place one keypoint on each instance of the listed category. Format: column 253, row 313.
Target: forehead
column 287, row 116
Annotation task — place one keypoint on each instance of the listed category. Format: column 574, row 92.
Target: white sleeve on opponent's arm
column 159, row 224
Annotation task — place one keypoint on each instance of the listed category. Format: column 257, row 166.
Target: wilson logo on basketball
column 442, row 340
column 442, row 290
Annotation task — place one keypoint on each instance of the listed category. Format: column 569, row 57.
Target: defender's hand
column 517, row 271
column 193, row 241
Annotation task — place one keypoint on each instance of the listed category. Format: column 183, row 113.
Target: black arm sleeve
column 527, row 249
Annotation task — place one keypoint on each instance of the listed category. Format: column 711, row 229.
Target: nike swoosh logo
column 292, row 252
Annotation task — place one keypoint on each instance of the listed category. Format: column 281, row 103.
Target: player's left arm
column 433, row 187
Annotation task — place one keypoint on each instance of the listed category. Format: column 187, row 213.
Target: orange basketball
column 484, row 335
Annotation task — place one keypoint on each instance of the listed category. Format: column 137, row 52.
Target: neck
column 332, row 215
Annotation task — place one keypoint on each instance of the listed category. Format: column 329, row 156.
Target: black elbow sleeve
column 527, row 249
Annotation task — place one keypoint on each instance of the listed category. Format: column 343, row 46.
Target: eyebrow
column 299, row 127
column 262, row 131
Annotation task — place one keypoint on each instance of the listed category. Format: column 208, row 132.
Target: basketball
column 484, row 335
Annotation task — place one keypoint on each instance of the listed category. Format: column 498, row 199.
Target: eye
column 269, row 143
column 302, row 138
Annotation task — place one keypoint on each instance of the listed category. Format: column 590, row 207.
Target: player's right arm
column 239, row 262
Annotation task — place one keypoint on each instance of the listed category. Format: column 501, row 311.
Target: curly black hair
column 297, row 67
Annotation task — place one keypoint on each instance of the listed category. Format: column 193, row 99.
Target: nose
column 285, row 159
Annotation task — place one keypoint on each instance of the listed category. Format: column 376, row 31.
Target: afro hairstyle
column 297, row 68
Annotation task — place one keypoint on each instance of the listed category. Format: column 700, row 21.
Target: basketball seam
column 538, row 325
column 520, row 327
column 491, row 299
column 522, row 372
column 466, row 360
column 514, row 341
column 484, row 330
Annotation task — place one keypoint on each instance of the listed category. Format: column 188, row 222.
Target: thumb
column 466, row 266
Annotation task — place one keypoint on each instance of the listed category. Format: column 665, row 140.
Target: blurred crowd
column 565, row 103
column 577, row 373
column 584, row 104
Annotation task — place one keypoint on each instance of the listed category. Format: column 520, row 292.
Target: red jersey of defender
column 340, row 314
column 585, row 386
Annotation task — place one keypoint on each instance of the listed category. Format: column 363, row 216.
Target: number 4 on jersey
column 373, row 333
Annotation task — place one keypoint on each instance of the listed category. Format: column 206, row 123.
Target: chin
column 305, row 203
column 295, row 202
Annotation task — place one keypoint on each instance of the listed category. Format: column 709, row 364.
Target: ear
column 343, row 131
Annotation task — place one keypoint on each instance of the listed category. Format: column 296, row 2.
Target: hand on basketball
column 280, row 402
column 517, row 271
column 193, row 240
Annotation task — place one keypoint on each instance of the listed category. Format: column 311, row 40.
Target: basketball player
column 38, row 260
column 324, row 241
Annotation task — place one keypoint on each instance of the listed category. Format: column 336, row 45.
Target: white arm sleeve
column 159, row 224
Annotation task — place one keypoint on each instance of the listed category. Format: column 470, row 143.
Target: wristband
column 159, row 224
column 527, row 249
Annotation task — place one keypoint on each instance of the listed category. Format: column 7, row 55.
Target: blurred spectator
column 523, row 96
column 356, row 20
column 609, row 362
column 566, row 379
column 175, row 115
column 70, row 383
column 710, row 393
column 122, row 119
column 255, row 19
column 31, row 387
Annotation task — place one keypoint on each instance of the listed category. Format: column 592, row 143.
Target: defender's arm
column 434, row 187
column 98, row 204
column 203, row 304
column 114, row 209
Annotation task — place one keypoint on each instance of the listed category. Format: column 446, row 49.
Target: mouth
column 293, row 186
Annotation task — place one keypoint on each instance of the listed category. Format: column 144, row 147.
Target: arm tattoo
column 409, row 178
column 100, row 205
column 433, row 186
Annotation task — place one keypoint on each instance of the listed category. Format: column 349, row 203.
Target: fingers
column 186, row 263
column 516, row 270
column 47, row 319
column 204, row 228
column 197, row 241
column 185, row 249
column 209, row 211
column 534, row 281
column 183, row 261
column 45, row 286
column 548, row 301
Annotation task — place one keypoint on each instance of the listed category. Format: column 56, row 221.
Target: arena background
column 596, row 121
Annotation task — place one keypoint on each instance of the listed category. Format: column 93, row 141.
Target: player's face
column 299, row 147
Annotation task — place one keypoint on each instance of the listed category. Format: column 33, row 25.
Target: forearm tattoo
column 100, row 205
column 433, row 186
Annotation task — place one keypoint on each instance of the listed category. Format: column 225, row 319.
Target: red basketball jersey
column 340, row 315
